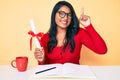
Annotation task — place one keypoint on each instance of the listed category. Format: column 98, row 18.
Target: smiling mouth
column 64, row 22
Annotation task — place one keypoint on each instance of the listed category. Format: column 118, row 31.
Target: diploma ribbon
column 38, row 36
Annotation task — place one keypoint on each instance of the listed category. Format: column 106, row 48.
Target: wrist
column 41, row 61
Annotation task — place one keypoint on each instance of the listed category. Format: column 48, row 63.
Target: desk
column 102, row 73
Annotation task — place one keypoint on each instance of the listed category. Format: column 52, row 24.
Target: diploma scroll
column 35, row 32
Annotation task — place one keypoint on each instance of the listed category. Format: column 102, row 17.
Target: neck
column 61, row 30
column 61, row 33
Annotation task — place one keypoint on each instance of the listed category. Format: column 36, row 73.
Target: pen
column 45, row 70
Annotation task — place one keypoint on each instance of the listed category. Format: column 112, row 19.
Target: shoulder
column 44, row 39
column 87, row 28
column 81, row 30
column 45, row 36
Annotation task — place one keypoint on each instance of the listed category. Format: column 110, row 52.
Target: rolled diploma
column 34, row 30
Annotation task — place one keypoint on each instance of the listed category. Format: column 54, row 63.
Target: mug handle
column 13, row 64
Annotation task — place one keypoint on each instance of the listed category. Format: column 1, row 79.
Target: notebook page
column 78, row 71
column 53, row 72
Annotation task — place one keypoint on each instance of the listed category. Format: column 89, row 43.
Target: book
column 62, row 71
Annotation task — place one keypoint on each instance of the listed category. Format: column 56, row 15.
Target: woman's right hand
column 39, row 54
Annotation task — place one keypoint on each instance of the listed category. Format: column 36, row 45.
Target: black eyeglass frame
column 69, row 15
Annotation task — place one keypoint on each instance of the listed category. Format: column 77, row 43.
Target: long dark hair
column 71, row 30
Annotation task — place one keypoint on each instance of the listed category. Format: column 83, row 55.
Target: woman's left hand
column 84, row 19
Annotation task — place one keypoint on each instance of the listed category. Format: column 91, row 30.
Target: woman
column 64, row 39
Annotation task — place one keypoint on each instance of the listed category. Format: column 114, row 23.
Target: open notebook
column 63, row 71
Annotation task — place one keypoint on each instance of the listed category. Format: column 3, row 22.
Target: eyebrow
column 64, row 11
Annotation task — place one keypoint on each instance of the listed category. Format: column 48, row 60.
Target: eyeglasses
column 62, row 14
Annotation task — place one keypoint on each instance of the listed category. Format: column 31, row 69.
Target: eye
column 62, row 13
column 69, row 14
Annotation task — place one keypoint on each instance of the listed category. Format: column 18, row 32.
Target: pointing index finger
column 82, row 11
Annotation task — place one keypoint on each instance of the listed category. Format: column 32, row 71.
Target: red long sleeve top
column 88, row 37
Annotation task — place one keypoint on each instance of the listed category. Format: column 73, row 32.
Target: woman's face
column 63, row 17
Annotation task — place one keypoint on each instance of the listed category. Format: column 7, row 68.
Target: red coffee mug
column 21, row 63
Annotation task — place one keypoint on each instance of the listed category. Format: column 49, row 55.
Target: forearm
column 99, row 45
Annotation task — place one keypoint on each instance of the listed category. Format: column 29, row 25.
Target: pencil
column 45, row 70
